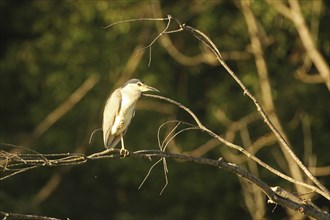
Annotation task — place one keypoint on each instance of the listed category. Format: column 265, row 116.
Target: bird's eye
column 139, row 84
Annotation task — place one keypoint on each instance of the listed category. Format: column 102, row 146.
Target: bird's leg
column 123, row 151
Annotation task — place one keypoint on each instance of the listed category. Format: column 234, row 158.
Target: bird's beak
column 146, row 88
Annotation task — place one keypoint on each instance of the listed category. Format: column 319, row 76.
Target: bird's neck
column 129, row 97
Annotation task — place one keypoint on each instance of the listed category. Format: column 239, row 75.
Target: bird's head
column 138, row 85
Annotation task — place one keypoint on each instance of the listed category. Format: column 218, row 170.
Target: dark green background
column 49, row 48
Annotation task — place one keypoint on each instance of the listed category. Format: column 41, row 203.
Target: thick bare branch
column 44, row 160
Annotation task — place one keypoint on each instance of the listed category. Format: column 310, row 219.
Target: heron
column 119, row 111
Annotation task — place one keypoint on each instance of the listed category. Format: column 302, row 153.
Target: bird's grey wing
column 111, row 109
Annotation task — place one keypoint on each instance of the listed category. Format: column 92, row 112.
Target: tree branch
column 20, row 160
column 207, row 41
column 8, row 215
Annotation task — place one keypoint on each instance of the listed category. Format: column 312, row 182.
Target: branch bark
column 9, row 215
column 274, row 194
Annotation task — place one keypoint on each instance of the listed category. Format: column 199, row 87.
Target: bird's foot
column 124, row 152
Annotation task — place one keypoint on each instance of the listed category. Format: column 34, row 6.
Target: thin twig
column 154, row 40
column 149, row 172
column 169, row 137
column 135, row 19
column 162, row 149
column 92, row 134
column 165, row 174
column 177, row 133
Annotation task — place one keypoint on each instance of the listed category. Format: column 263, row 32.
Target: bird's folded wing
column 111, row 109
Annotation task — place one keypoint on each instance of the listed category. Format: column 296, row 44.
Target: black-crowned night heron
column 119, row 111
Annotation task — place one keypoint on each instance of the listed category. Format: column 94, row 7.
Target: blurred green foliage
column 49, row 48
